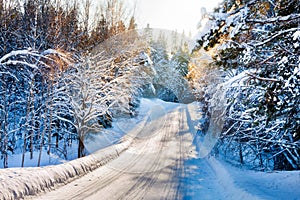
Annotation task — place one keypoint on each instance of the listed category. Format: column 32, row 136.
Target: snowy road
column 162, row 163
column 149, row 169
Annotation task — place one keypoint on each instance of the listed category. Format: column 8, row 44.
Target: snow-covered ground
column 14, row 160
column 206, row 178
column 201, row 178
column 210, row 178
column 93, row 142
column 18, row 182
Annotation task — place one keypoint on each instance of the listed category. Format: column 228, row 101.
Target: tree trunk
column 32, row 120
column 241, row 153
column 31, row 144
column 44, row 127
column 15, row 117
column 57, row 140
column 81, row 152
column 42, row 139
column 5, row 129
column 27, row 123
column 51, row 113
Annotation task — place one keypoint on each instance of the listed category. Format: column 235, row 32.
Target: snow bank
column 241, row 183
column 15, row 183
column 227, row 182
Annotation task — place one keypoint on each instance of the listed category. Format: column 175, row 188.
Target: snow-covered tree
column 24, row 76
column 170, row 61
column 260, row 39
column 46, row 94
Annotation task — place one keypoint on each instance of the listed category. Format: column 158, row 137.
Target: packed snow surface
column 166, row 131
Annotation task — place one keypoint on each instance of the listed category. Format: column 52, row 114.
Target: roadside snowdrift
column 17, row 183
column 212, row 178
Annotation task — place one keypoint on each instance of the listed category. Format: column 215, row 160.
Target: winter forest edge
column 66, row 74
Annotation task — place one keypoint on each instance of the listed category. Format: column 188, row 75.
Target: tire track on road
column 143, row 184
column 149, row 169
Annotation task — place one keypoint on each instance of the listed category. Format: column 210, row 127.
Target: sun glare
column 179, row 15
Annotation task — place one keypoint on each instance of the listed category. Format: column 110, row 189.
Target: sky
column 179, row 15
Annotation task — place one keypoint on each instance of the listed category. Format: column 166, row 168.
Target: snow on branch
column 261, row 78
column 18, row 53
column 19, row 57
column 271, row 38
column 275, row 19
column 17, row 62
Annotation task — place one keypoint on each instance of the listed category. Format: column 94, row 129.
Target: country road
column 162, row 162
column 150, row 168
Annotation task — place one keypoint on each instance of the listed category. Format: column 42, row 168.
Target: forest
column 51, row 95
column 66, row 73
column 256, row 70
column 68, row 70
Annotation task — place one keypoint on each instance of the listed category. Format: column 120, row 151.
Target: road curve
column 149, row 169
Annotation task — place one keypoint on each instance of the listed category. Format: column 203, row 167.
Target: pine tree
column 132, row 24
column 260, row 40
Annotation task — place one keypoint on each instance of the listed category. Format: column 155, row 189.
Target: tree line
column 51, row 93
column 68, row 25
column 67, row 70
column 256, row 46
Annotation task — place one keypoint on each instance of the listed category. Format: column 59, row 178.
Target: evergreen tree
column 132, row 24
column 39, row 43
column 260, row 39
